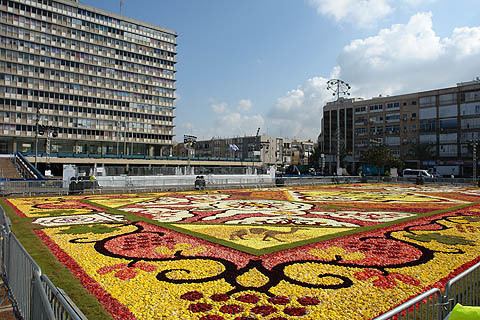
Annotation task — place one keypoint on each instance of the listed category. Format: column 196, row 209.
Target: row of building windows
column 81, row 67
column 88, row 90
column 61, row 96
column 393, row 105
column 165, row 50
column 87, row 132
column 99, row 54
column 58, row 51
column 89, row 123
column 466, row 109
column 93, row 111
column 85, row 90
column 107, row 72
column 375, row 107
column 430, row 125
column 40, row 72
column 86, row 13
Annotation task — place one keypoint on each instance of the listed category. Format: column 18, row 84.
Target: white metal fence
column 34, row 296
column 433, row 305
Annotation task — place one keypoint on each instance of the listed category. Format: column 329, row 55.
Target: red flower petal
column 263, row 310
column 192, row 296
column 308, row 301
column 248, row 298
column 293, row 311
column 279, row 300
column 126, row 274
column 231, row 309
column 211, row 317
column 219, row 297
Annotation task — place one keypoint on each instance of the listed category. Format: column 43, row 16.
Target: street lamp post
column 474, row 164
column 189, row 142
column 339, row 88
column 37, row 119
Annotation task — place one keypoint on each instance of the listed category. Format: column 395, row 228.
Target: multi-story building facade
column 446, row 119
column 100, row 83
column 259, row 148
column 268, row 150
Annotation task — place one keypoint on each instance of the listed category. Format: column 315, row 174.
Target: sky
column 248, row 64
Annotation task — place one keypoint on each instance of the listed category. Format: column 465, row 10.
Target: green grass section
column 56, row 271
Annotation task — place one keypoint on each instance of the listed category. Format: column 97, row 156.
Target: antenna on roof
column 121, row 6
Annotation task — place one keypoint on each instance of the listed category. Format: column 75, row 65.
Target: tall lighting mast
column 340, row 90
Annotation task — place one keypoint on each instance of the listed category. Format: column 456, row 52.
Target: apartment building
column 96, row 82
column 448, row 119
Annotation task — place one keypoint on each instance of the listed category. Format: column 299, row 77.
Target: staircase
column 8, row 169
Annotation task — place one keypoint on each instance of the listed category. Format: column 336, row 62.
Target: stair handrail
column 27, row 165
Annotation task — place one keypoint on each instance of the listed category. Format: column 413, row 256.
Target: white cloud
column 219, row 107
column 410, row 57
column 362, row 13
column 416, row 3
column 298, row 112
column 244, row 105
column 231, row 120
column 359, row 12
column 237, row 124
column 401, row 59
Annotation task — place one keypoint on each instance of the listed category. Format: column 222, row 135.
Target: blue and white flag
column 234, row 147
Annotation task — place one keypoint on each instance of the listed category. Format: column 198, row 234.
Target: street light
column 339, row 88
column 189, row 142
column 474, row 160
column 37, row 119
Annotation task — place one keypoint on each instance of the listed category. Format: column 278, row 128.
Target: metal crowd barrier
column 33, row 295
column 424, row 306
column 32, row 187
column 464, row 288
column 433, row 305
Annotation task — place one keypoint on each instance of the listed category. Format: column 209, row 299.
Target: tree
column 379, row 156
column 421, row 152
column 314, row 159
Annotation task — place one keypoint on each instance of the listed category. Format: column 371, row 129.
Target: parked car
column 414, row 173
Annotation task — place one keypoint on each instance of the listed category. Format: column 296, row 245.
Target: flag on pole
column 234, row 147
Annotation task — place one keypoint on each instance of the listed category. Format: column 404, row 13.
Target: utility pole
column 339, row 88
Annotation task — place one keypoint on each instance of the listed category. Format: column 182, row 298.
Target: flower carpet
column 325, row 252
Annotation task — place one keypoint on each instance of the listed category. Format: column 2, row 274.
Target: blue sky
column 264, row 63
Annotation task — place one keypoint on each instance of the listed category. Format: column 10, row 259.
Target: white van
column 413, row 173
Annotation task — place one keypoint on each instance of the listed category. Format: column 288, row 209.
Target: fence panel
column 41, row 309
column 63, row 308
column 426, row 306
column 463, row 289
column 20, row 275
column 35, row 296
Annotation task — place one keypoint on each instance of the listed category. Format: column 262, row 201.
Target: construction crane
column 121, row 6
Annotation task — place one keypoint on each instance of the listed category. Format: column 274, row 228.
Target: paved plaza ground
column 327, row 252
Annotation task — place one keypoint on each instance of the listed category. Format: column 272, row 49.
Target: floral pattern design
column 127, row 264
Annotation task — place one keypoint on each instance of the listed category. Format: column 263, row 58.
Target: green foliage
column 96, row 229
column 441, row 238
column 381, row 156
column 421, row 152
